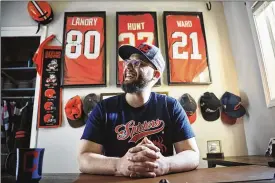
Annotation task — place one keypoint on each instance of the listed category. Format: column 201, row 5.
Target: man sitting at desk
column 133, row 134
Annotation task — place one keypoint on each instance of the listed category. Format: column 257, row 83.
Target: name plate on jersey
column 134, row 28
column 186, row 48
column 84, row 49
column 50, row 113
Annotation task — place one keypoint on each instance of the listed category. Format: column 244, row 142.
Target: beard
column 136, row 85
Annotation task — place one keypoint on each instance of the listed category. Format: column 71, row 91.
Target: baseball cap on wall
column 210, row 106
column 190, row 106
column 151, row 52
column 89, row 103
column 73, row 110
column 232, row 106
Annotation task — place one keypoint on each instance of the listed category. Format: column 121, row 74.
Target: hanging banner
column 186, row 48
column 84, row 49
column 50, row 113
column 134, row 28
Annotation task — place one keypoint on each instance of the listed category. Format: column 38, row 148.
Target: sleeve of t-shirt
column 94, row 129
column 182, row 128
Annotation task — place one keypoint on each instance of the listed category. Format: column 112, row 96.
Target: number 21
column 183, row 43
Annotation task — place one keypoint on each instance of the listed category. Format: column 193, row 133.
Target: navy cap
column 231, row 105
column 151, row 52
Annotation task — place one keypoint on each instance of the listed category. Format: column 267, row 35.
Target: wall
column 61, row 143
column 260, row 123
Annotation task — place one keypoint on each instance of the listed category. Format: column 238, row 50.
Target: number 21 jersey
column 186, row 47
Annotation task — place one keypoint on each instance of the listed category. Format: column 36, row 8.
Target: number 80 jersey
column 84, row 50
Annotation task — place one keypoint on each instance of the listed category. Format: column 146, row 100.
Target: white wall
column 260, row 124
column 61, row 143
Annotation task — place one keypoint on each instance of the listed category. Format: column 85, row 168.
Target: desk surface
column 248, row 160
column 225, row 174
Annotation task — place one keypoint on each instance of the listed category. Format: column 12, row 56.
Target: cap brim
column 126, row 51
column 211, row 116
column 192, row 118
column 227, row 119
column 76, row 123
column 238, row 113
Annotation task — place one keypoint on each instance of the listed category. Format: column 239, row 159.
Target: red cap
column 227, row 119
column 73, row 110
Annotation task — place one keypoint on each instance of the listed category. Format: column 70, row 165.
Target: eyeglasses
column 136, row 63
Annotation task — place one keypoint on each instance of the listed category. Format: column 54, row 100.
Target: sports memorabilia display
column 189, row 105
column 210, row 106
column 134, row 28
column 186, row 48
column 41, row 12
column 74, row 112
column 84, row 49
column 232, row 108
column 49, row 115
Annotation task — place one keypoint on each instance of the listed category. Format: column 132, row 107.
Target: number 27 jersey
column 84, row 51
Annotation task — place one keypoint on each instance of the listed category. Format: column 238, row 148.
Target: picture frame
column 127, row 33
column 84, row 42
column 184, row 31
column 108, row 95
column 214, row 146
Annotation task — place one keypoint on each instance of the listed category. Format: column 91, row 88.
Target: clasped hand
column 143, row 160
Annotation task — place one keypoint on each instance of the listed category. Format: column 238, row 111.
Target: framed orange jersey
column 84, row 49
column 134, row 28
column 186, row 48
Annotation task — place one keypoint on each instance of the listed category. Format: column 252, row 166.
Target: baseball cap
column 73, row 110
column 151, row 52
column 190, row 106
column 210, row 105
column 89, row 102
column 231, row 105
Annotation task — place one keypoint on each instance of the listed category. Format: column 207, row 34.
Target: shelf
column 20, row 73
column 18, row 91
column 19, row 69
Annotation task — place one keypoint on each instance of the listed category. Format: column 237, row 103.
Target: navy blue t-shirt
column 118, row 126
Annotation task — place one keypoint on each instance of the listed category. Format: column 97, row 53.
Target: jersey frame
column 169, row 71
column 86, row 14
column 154, row 15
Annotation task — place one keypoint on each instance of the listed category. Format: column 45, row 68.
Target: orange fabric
column 147, row 24
column 185, row 70
column 192, row 118
column 73, row 108
column 38, row 56
column 83, row 70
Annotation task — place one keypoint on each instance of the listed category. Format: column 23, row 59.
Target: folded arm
column 187, row 157
column 92, row 161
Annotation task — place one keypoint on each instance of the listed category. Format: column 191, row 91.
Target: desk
column 251, row 173
column 239, row 161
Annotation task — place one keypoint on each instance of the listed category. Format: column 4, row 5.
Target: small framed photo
column 214, row 146
column 108, row 95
